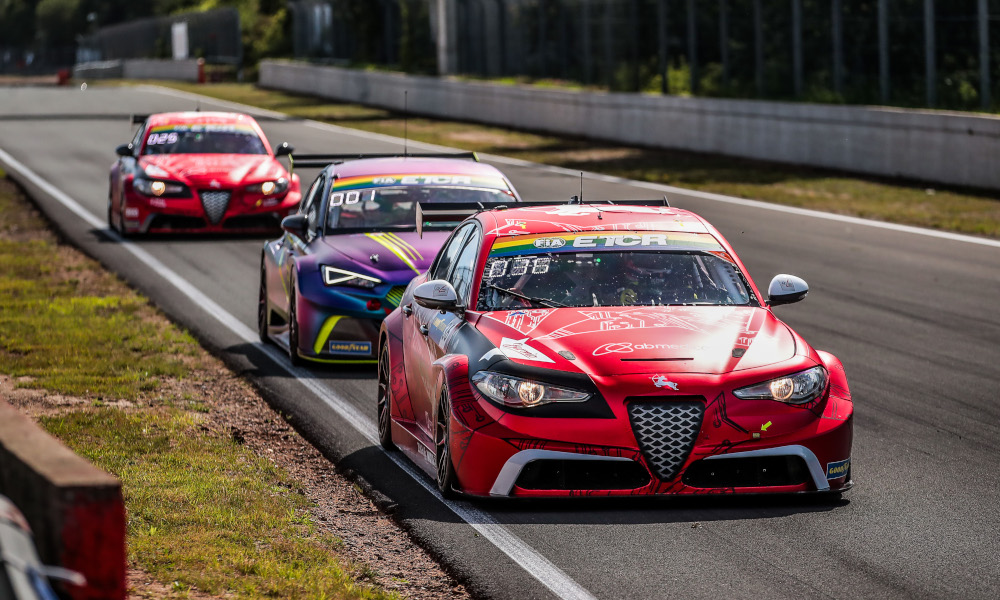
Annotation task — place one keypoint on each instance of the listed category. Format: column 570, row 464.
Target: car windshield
column 395, row 207
column 620, row 269
column 204, row 139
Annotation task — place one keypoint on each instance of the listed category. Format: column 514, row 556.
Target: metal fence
column 213, row 35
column 905, row 52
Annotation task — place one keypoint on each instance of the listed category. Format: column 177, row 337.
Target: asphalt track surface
column 913, row 317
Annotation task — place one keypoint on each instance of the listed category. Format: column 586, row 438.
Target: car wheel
column 111, row 219
column 384, row 403
column 446, row 479
column 293, row 328
column 262, row 307
column 121, row 220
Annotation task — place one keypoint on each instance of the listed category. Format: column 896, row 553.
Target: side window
column 314, row 204
column 311, row 195
column 446, row 258
column 465, row 268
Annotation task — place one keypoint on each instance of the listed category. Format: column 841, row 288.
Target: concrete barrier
column 933, row 146
column 140, row 68
column 75, row 510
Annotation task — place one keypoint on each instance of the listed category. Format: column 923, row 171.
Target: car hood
column 401, row 256
column 215, row 170
column 628, row 340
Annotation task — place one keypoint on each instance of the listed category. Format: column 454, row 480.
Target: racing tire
column 447, row 480
column 262, row 307
column 293, row 329
column 111, row 215
column 121, row 221
column 384, row 402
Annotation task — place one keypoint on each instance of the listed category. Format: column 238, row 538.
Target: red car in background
column 607, row 350
column 190, row 172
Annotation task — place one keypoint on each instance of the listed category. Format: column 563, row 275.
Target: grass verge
column 965, row 211
column 205, row 514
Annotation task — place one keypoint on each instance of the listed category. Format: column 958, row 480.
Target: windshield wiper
column 542, row 301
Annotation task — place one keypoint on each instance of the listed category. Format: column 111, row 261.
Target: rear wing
column 319, row 161
column 450, row 212
column 141, row 118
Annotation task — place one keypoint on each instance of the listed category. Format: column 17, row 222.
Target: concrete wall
column 180, row 70
column 75, row 510
column 933, row 146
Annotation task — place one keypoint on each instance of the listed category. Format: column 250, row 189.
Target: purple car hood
column 400, row 256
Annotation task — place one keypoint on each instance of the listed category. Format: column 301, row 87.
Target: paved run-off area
column 912, row 317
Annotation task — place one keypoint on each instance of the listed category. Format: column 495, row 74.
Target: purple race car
column 350, row 251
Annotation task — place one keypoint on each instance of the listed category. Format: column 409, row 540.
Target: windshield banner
column 429, row 179
column 604, row 241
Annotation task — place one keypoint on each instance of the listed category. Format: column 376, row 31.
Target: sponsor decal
column 838, row 469
column 350, row 348
column 628, row 348
column 662, row 381
column 384, row 180
column 572, row 242
column 215, row 184
column 440, row 291
column 131, row 212
column 550, row 242
column 158, row 202
column 521, row 350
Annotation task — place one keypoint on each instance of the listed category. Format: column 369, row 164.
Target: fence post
column 446, row 51
column 663, row 37
column 930, row 68
column 883, row 50
column 692, row 31
column 585, row 41
column 758, row 48
column 836, row 18
column 724, row 41
column 797, row 46
column 984, row 55
column 633, row 46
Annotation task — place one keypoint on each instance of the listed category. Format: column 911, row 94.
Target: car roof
column 199, row 118
column 401, row 165
column 563, row 218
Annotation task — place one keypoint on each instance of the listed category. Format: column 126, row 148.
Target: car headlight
column 269, row 188
column 523, row 393
column 797, row 388
column 335, row 276
column 155, row 187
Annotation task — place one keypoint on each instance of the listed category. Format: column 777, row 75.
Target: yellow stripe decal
column 381, row 239
column 407, row 245
column 324, row 333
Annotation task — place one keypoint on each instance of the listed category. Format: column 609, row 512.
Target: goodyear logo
column 351, row 348
column 838, row 469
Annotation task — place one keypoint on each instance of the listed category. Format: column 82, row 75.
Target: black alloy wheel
column 383, row 405
column 293, row 328
column 262, row 306
column 446, row 479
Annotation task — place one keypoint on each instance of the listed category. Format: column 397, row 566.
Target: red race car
column 192, row 172
column 588, row 349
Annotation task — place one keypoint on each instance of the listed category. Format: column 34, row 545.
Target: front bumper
column 732, row 447
column 339, row 327
column 207, row 211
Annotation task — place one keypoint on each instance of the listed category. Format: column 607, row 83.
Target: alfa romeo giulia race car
column 352, row 248
column 607, row 350
column 199, row 172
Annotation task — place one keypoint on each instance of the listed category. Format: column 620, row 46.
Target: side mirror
column 284, row 149
column 786, row 289
column 296, row 225
column 437, row 294
column 124, row 150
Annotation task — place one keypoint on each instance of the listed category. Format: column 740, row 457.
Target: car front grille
column 215, row 204
column 666, row 431
column 395, row 295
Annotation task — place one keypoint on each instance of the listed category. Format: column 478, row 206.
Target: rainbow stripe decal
column 604, row 241
column 427, row 179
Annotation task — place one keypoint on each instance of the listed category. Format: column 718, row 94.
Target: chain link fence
column 904, row 52
column 213, row 35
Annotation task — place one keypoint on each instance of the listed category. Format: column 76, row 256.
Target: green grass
column 967, row 211
column 203, row 511
column 68, row 327
column 207, row 513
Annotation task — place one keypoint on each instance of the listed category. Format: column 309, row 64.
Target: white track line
column 667, row 189
column 520, row 552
